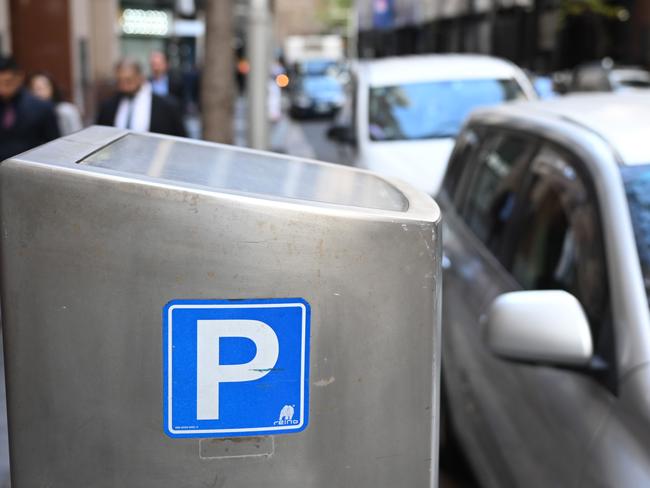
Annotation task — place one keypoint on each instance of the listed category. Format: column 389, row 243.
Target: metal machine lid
column 229, row 169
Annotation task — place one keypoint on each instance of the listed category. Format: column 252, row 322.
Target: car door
column 528, row 228
column 555, row 241
column 478, row 198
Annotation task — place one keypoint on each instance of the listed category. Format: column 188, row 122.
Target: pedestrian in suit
column 164, row 82
column 25, row 121
column 136, row 107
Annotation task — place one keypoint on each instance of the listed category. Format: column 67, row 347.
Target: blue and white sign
column 235, row 367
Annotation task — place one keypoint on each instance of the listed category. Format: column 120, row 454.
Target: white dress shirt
column 137, row 109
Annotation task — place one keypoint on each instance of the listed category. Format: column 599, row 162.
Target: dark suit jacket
column 35, row 124
column 165, row 115
column 176, row 87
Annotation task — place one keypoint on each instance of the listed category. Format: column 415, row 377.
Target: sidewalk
column 240, row 124
column 280, row 137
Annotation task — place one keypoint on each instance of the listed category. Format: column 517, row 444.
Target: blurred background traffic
column 205, row 54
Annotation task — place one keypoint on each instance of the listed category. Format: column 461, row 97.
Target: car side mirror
column 343, row 134
column 541, row 326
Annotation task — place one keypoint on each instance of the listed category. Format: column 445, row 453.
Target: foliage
column 598, row 7
column 334, row 14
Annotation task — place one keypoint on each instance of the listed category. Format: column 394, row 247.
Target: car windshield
column 435, row 109
column 318, row 67
column 637, row 187
column 317, row 84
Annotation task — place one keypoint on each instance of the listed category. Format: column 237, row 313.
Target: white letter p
column 209, row 373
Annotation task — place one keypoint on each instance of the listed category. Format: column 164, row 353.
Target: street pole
column 217, row 92
column 353, row 32
column 258, row 76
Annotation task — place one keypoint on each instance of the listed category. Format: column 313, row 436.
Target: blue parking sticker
column 235, row 367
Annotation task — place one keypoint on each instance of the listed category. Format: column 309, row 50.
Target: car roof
column 622, row 74
column 608, row 66
column 622, row 119
column 412, row 69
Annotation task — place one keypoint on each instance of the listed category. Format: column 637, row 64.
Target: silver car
column 546, row 323
column 608, row 77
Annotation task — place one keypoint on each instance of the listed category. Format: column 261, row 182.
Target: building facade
column 73, row 40
column 541, row 35
column 297, row 17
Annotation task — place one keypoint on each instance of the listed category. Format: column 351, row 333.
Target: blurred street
column 306, row 138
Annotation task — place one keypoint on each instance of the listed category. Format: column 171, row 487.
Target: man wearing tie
column 136, row 107
column 25, row 121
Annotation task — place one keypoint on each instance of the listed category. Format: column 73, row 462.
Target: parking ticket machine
column 186, row 314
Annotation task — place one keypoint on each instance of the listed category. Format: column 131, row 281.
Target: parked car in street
column 316, row 95
column 543, row 86
column 606, row 76
column 406, row 111
column 317, row 67
column 546, row 319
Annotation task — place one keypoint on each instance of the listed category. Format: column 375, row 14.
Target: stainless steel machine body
column 103, row 228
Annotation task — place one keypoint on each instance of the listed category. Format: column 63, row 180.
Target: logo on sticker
column 234, row 368
column 286, row 416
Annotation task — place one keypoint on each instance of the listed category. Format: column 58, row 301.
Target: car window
column 493, row 190
column 432, row 109
column 637, row 189
column 318, row 84
column 557, row 241
column 464, row 151
column 318, row 67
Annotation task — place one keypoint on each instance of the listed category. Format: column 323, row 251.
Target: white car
column 404, row 112
column 546, row 299
column 605, row 76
